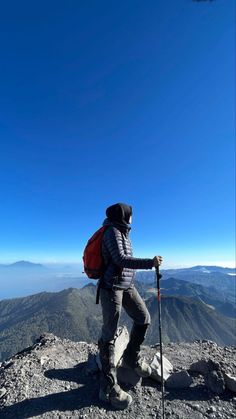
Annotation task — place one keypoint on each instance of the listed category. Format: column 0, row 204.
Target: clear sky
column 104, row 102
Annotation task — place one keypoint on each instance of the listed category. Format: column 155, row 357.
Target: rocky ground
column 58, row 378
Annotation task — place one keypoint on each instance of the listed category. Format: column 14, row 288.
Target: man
column 116, row 290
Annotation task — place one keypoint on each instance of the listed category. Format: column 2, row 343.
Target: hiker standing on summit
column 117, row 290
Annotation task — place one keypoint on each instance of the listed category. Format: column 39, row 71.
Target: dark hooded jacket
column 120, row 265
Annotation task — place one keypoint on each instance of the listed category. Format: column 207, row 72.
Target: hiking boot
column 117, row 397
column 131, row 356
column 110, row 391
column 143, row 369
column 140, row 367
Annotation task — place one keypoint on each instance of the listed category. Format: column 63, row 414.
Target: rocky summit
column 58, row 378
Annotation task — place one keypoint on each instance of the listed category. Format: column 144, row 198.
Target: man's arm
column 114, row 243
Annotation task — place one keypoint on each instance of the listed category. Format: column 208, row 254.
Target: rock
column 200, row 366
column 46, row 338
column 156, row 345
column 179, row 379
column 214, row 380
column 208, row 342
column 230, row 382
column 211, row 409
column 156, row 367
column 63, row 387
column 120, row 342
column 227, row 349
column 2, row 392
column 196, row 407
column 203, row 366
column 7, row 364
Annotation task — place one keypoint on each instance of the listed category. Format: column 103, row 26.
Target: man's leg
column 111, row 302
column 137, row 310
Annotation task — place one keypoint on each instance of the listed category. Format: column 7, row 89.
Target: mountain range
column 24, row 278
column 223, row 282
column 175, row 287
column 73, row 314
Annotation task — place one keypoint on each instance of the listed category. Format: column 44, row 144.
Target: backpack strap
column 98, row 292
column 99, row 282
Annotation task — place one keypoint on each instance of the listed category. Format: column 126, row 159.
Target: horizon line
column 229, row 265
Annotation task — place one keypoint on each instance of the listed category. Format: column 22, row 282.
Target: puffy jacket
column 117, row 253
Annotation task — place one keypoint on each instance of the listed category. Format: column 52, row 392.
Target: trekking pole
column 158, row 275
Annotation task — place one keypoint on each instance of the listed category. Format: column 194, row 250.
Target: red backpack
column 92, row 257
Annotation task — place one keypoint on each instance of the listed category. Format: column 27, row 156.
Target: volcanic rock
column 230, row 382
column 214, row 380
column 156, row 367
column 180, row 379
column 204, row 366
column 58, row 378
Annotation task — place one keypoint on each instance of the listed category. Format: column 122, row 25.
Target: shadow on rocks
column 196, row 393
column 71, row 400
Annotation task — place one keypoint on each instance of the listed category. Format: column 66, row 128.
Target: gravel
column 57, row 378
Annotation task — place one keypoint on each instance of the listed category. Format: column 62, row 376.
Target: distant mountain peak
column 25, row 264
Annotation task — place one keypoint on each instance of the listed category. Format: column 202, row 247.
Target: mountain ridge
column 24, row 281
column 73, row 314
column 222, row 302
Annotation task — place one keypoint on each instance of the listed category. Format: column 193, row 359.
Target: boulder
column 230, row 382
column 214, row 380
column 200, row 366
column 156, row 367
column 120, row 342
column 2, row 392
column 203, row 366
column 180, row 379
column 125, row 375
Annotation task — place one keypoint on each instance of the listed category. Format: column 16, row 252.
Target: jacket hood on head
column 119, row 213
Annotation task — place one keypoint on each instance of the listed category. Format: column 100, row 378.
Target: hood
column 119, row 213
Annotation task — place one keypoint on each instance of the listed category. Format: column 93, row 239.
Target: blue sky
column 104, row 102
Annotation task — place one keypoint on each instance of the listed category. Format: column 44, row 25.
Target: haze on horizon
column 77, row 263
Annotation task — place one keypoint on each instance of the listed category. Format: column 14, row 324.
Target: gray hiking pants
column 112, row 302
